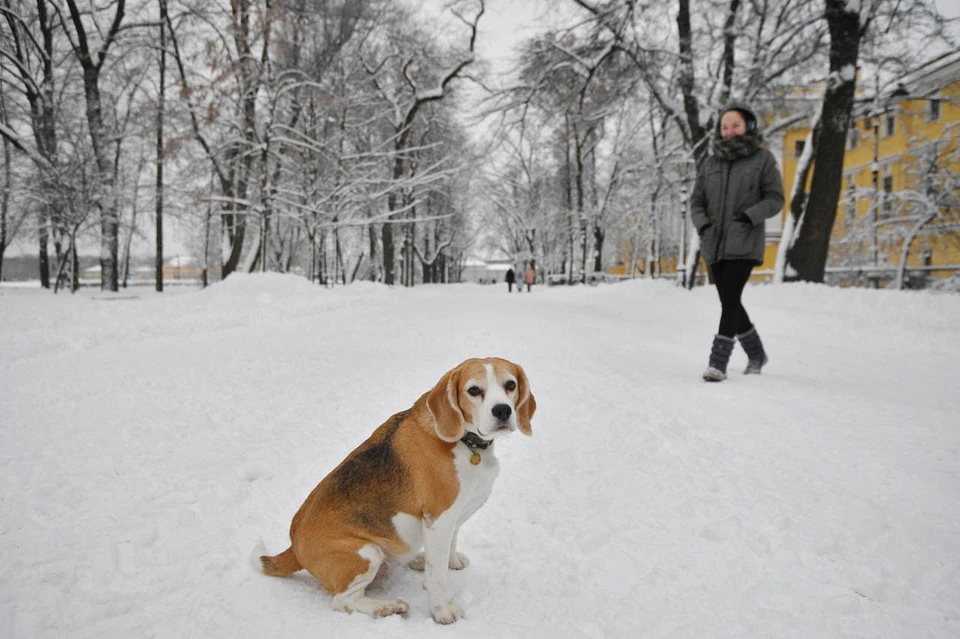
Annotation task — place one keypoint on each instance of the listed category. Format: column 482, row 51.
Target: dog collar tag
column 475, row 458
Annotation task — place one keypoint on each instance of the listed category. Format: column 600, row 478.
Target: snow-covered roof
column 933, row 75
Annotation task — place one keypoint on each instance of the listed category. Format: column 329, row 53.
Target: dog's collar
column 472, row 440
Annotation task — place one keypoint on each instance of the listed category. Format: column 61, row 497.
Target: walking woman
column 738, row 187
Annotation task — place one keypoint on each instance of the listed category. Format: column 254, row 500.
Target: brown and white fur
column 411, row 485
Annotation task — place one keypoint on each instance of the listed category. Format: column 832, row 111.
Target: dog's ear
column 443, row 402
column 527, row 405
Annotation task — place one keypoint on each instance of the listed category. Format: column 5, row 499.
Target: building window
column 933, row 110
column 889, row 124
column 868, row 124
column 887, row 207
column 798, row 147
column 850, row 210
column 853, row 139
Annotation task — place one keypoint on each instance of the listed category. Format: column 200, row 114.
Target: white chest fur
column 476, row 480
column 476, row 483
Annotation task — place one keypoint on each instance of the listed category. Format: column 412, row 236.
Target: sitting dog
column 411, row 485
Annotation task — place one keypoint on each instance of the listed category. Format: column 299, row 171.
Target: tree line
column 280, row 132
column 337, row 137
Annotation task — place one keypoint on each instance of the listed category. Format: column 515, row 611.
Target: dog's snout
column 502, row 412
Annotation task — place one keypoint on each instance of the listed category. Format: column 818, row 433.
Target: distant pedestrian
column 511, row 277
column 737, row 188
column 529, row 276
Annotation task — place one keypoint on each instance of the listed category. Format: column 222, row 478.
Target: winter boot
column 755, row 354
column 719, row 356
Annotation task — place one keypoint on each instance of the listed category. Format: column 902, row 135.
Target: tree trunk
column 4, row 201
column 356, row 269
column 372, row 269
column 158, row 265
column 266, row 198
column 235, row 226
column 808, row 256
column 206, row 243
column 568, row 198
column 133, row 223
column 234, row 223
column 581, row 214
column 729, row 49
column 249, row 91
column 339, row 265
column 386, row 235
column 109, row 221
column 798, row 200
column 43, row 257
column 598, row 237
column 691, row 106
column 109, row 224
column 61, row 264
column 427, row 272
column 74, row 266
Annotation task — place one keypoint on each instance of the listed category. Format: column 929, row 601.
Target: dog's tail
column 286, row 563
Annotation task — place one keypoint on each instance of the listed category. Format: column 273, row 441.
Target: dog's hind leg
column 347, row 575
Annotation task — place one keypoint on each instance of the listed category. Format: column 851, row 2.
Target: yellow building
column 901, row 177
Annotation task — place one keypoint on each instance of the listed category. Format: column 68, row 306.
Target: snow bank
column 153, row 446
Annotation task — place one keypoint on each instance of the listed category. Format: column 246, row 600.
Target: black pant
column 730, row 276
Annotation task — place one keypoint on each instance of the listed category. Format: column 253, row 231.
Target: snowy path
column 150, row 444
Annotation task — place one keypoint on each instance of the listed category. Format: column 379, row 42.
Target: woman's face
column 731, row 124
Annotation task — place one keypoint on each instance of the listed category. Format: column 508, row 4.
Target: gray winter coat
column 751, row 185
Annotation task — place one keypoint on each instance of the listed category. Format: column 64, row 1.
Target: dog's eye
column 511, row 385
column 474, row 391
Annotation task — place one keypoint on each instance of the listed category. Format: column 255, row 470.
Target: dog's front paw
column 391, row 607
column 447, row 613
column 417, row 563
column 458, row 561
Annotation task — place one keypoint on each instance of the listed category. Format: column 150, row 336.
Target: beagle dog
column 410, row 486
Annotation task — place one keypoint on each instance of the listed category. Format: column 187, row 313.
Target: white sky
column 949, row 8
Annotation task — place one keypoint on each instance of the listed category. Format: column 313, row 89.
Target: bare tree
column 407, row 95
column 161, row 114
column 808, row 256
column 92, row 64
column 10, row 222
column 29, row 50
column 262, row 87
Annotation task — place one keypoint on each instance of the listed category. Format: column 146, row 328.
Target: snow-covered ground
column 153, row 445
